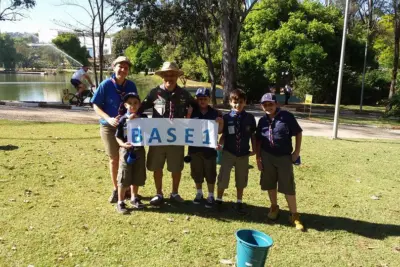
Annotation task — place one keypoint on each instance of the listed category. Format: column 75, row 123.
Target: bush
column 394, row 105
column 305, row 85
column 195, row 69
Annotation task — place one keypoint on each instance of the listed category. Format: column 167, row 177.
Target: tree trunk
column 396, row 49
column 94, row 55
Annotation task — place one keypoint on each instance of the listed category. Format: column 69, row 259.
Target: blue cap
column 268, row 97
column 203, row 92
column 128, row 95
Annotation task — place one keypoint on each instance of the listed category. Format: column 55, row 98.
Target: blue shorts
column 75, row 82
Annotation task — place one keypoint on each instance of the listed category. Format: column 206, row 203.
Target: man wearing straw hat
column 168, row 101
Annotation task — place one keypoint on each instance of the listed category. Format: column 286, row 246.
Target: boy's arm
column 296, row 152
column 258, row 154
column 253, row 145
column 221, row 142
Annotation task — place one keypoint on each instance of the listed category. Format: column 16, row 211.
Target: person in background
column 288, row 92
column 108, row 104
column 77, row 78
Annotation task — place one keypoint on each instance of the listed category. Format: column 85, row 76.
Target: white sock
column 219, row 199
column 239, row 201
column 174, row 194
column 210, row 194
column 200, row 191
column 120, row 202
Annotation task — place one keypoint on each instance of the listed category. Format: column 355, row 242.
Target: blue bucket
column 252, row 248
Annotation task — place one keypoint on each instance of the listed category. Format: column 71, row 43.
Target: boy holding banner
column 132, row 160
column 203, row 162
column 275, row 156
column 239, row 129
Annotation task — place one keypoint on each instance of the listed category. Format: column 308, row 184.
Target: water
column 32, row 87
column 76, row 62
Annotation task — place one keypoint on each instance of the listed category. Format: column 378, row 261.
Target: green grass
column 54, row 187
column 353, row 119
column 380, row 109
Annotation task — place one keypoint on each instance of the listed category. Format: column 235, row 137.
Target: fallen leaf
column 170, row 219
column 27, row 201
column 170, row 240
column 396, row 249
column 375, row 197
column 12, row 199
column 14, row 248
column 226, row 262
column 187, row 218
column 186, row 231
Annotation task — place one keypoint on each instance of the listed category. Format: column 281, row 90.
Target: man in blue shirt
column 108, row 104
column 275, row 156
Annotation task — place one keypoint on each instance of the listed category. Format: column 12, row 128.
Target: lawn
column 54, row 187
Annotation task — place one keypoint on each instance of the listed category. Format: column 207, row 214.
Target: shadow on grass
column 259, row 215
column 8, row 147
column 381, row 141
column 51, row 138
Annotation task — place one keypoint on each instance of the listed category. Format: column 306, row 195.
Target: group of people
column 116, row 101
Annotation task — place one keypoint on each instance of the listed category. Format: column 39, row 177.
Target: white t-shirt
column 78, row 74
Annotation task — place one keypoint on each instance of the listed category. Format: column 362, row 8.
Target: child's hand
column 259, row 164
column 295, row 156
column 133, row 116
column 219, row 120
column 189, row 112
column 219, row 147
column 127, row 145
column 252, row 153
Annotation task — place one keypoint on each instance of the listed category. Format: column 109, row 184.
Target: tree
column 122, row 40
column 70, row 44
column 396, row 20
column 143, row 57
column 13, row 10
column 8, row 54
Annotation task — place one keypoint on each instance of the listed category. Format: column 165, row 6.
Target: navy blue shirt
column 238, row 130
column 212, row 114
column 278, row 142
column 122, row 129
column 107, row 98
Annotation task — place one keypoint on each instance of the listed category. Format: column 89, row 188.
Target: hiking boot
column 137, row 203
column 198, row 199
column 273, row 213
column 121, row 208
column 157, row 200
column 177, row 198
column 114, row 197
column 294, row 219
column 239, row 208
column 210, row 202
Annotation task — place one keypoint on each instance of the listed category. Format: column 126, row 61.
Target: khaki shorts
column 111, row 146
column 241, row 165
column 157, row 156
column 132, row 174
column 203, row 167
column 277, row 171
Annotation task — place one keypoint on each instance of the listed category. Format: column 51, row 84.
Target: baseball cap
column 268, row 97
column 203, row 92
column 128, row 95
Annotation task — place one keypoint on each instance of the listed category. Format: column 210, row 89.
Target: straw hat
column 169, row 66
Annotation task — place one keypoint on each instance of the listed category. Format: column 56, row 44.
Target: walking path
column 87, row 115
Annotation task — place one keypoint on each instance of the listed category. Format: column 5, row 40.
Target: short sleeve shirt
column 78, row 74
column 237, row 132
column 107, row 98
column 276, row 134
column 212, row 114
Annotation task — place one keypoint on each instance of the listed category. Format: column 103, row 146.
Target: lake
column 33, row 87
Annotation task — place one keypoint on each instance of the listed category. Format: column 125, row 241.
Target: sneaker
column 114, row 197
column 157, row 200
column 239, row 208
column 210, row 202
column 294, row 219
column 121, row 208
column 137, row 203
column 218, row 203
column 176, row 198
column 198, row 199
column 273, row 213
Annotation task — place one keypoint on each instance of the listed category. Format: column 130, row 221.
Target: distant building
column 87, row 41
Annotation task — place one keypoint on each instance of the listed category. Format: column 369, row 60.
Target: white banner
column 177, row 132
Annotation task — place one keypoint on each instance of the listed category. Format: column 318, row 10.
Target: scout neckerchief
column 121, row 93
column 271, row 122
column 171, row 103
column 237, row 117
